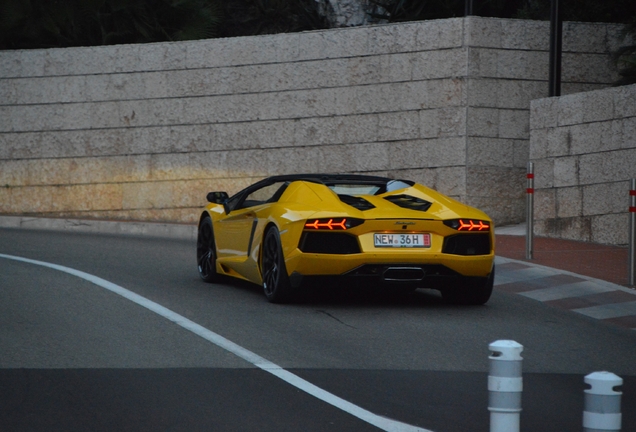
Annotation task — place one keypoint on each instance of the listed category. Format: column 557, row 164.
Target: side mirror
column 217, row 197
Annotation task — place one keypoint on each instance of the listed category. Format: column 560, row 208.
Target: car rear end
column 421, row 251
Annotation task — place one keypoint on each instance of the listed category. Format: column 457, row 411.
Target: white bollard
column 602, row 403
column 505, row 385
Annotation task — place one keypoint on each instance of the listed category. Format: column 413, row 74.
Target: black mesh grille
column 356, row 202
column 409, row 202
column 467, row 244
column 329, row 243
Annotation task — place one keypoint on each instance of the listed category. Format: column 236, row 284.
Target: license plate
column 389, row 240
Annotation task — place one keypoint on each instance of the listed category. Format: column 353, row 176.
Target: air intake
column 467, row 244
column 356, row 202
column 409, row 202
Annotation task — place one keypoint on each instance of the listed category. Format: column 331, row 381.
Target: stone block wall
column 143, row 132
column 507, row 68
column 584, row 150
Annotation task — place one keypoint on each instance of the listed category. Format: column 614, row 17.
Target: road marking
column 560, row 292
column 611, row 310
column 380, row 422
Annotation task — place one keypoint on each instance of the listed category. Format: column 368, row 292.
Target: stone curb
column 149, row 229
column 502, row 260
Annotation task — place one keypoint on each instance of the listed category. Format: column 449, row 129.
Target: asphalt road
column 75, row 356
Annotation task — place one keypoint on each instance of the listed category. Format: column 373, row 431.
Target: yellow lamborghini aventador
column 284, row 231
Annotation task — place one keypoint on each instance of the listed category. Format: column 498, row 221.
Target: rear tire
column 472, row 291
column 276, row 283
column 206, row 252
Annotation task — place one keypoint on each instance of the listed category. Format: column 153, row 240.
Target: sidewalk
column 608, row 263
column 585, row 278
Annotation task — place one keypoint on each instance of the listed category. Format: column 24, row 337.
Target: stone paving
column 585, row 278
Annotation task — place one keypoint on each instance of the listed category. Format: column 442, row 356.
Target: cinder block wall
column 144, row 131
column 584, row 149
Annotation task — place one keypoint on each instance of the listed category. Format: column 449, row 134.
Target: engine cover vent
column 409, row 202
column 356, row 202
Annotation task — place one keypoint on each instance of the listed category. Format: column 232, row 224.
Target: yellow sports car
column 284, row 231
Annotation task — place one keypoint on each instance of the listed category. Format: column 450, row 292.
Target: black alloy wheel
column 206, row 252
column 276, row 283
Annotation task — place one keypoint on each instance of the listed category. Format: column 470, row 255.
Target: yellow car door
column 233, row 234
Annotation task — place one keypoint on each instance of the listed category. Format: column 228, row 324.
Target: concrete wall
column 584, row 149
column 144, row 131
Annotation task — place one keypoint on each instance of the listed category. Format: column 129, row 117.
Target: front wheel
column 472, row 291
column 276, row 283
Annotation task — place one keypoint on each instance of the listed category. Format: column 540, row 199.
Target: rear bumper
column 433, row 277
column 382, row 266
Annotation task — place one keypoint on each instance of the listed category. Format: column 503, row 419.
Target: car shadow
column 369, row 295
column 351, row 295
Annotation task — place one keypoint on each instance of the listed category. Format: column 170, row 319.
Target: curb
column 146, row 229
column 499, row 260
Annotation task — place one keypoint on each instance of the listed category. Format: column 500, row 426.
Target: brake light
column 332, row 224
column 468, row 225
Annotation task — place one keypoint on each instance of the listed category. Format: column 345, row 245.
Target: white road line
column 380, row 422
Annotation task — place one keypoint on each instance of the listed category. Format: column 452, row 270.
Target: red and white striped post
column 530, row 211
column 632, row 232
column 602, row 412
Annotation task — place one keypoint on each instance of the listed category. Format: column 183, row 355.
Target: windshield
column 354, row 189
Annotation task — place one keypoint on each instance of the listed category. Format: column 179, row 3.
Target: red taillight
column 468, row 225
column 332, row 224
column 471, row 225
column 327, row 224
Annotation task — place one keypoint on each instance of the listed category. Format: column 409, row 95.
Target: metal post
column 556, row 43
column 530, row 211
column 505, row 385
column 469, row 7
column 602, row 410
column 632, row 233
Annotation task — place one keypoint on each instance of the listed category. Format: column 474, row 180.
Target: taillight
column 468, row 225
column 332, row 224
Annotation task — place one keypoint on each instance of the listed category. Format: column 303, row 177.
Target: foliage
column 415, row 10
column 612, row 11
column 625, row 57
column 572, row 10
column 254, row 17
column 63, row 23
